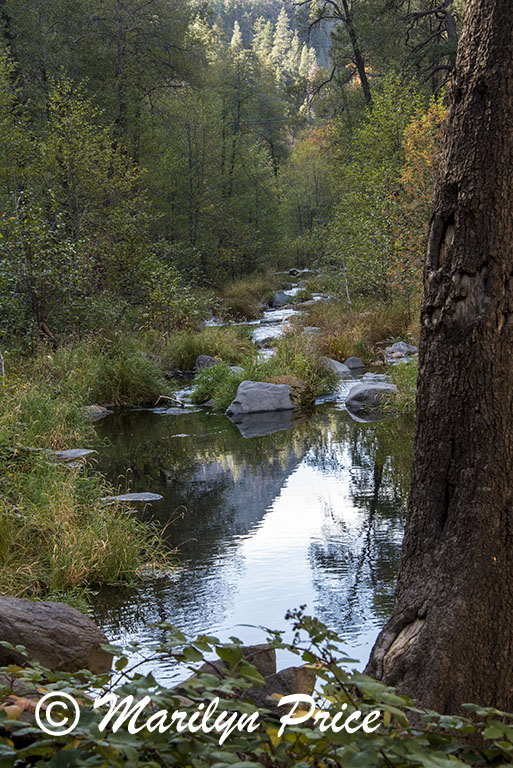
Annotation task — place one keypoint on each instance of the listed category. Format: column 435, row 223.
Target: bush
column 437, row 741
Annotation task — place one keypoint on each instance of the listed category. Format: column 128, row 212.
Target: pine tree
column 236, row 42
column 282, row 40
column 294, row 55
column 263, row 39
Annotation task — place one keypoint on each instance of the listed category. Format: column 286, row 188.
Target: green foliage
column 231, row 344
column 404, row 376
column 361, row 234
column 436, row 742
column 217, row 384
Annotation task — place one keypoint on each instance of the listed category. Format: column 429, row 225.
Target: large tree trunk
column 450, row 638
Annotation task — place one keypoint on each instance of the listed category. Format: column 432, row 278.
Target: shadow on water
column 313, row 515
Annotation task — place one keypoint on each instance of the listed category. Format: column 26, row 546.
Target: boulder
column 279, row 300
column 375, row 377
column 339, row 369
column 57, row 635
column 263, row 658
column 400, row 349
column 258, row 397
column 95, row 412
column 285, row 286
column 206, row 361
column 354, row 362
column 368, row 396
column 283, row 683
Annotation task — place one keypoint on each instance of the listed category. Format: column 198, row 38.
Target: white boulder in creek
column 368, row 396
column 260, row 397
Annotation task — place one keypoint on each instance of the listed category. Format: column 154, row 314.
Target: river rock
column 95, row 412
column 400, row 349
column 263, row 658
column 57, row 635
column 354, row 362
column 280, row 299
column 206, row 361
column 368, row 395
column 260, row 396
column 311, row 330
column 285, row 682
column 375, row 377
column 73, row 454
column 260, row 424
column 145, row 497
column 339, row 369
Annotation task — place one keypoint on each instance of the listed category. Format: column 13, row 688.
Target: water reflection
column 313, row 516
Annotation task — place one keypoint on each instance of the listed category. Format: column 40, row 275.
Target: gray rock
column 145, row 497
column 340, row 369
column 95, row 412
column 56, row 635
column 287, row 681
column 260, row 424
column 72, row 454
column 206, row 361
column 259, row 397
column 354, row 362
column 375, row 377
column 400, row 349
column 280, row 299
column 368, row 395
column 311, row 330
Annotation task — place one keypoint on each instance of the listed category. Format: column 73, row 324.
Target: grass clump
column 218, row 384
column 57, row 536
column 105, row 371
column 404, row 376
column 232, row 344
column 243, row 299
column 357, row 330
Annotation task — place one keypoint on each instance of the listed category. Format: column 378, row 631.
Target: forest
column 256, row 383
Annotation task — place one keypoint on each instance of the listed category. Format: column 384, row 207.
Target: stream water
column 312, row 515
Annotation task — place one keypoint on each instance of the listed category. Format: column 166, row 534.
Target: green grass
column 180, row 350
column 57, row 536
column 243, row 299
column 404, row 376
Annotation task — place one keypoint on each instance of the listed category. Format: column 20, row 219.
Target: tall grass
column 358, row 330
column 243, row 299
column 56, row 533
column 180, row 350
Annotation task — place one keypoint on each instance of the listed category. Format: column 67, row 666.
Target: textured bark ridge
column 450, row 637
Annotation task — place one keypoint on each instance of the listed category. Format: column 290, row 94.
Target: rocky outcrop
column 206, row 361
column 259, row 397
column 55, row 634
column 339, row 369
column 368, row 396
column 354, row 362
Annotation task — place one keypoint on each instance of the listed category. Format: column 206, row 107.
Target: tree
column 448, row 640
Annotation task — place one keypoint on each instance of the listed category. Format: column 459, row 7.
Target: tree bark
column 450, row 637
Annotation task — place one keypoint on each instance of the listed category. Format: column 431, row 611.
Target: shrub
column 218, row 384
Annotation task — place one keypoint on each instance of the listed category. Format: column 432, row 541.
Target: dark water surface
column 312, row 515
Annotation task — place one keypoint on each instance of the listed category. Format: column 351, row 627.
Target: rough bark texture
column 450, row 638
